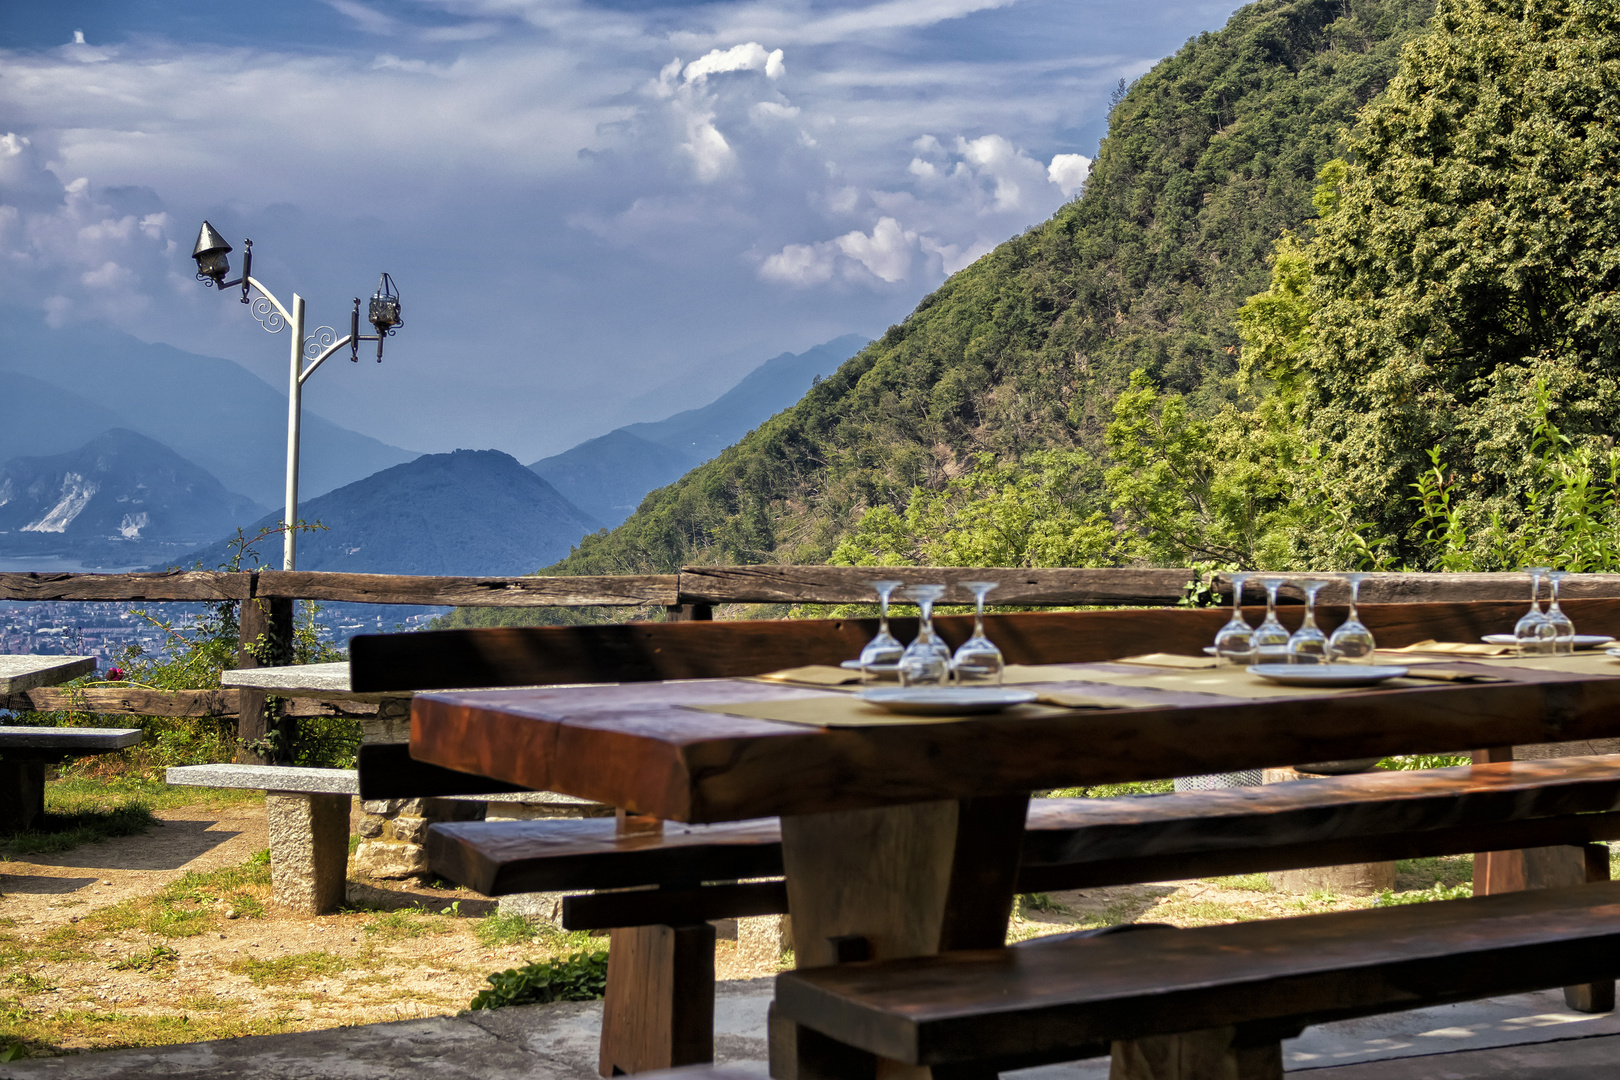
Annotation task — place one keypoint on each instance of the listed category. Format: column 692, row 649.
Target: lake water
column 52, row 564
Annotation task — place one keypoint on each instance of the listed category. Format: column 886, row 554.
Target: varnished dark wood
column 637, row 747
column 1084, row 843
column 689, row 613
column 674, row 907
column 659, row 1009
column 498, row 858
column 387, row 771
column 984, row 872
column 973, row 1006
column 532, row 656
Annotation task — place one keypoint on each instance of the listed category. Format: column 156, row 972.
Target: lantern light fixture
column 212, row 254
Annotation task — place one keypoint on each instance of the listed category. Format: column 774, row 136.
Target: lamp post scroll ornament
column 212, row 254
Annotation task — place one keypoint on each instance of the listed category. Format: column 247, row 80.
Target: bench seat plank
column 1041, row 999
column 1083, row 843
column 50, row 742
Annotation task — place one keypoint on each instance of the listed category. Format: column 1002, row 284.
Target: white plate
column 1582, row 641
column 945, row 700
column 1326, row 674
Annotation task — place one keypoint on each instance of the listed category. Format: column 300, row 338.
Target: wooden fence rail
column 714, row 585
column 693, row 593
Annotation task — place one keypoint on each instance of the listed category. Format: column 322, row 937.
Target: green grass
column 157, row 958
column 1425, row 761
column 1390, row 898
column 403, row 924
column 25, row 1033
column 65, row 831
column 1112, row 791
column 1245, row 882
column 289, row 969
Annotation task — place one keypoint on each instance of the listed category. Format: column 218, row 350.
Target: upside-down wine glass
column 1271, row 636
column 882, row 653
column 1563, row 629
column 977, row 661
column 1234, row 642
column 1533, row 632
column 1308, row 645
column 926, row 661
column 1352, row 642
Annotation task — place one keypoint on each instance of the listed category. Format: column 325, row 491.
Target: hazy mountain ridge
column 120, row 498
column 470, row 512
column 610, row 475
column 211, row 411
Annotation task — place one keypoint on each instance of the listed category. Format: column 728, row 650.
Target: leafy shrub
column 580, row 976
column 1389, row 898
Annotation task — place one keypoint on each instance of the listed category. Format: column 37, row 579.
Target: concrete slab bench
column 307, row 814
column 24, row 753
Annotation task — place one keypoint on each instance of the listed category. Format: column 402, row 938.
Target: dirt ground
column 171, row 936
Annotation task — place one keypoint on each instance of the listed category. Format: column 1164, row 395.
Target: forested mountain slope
column 1209, row 157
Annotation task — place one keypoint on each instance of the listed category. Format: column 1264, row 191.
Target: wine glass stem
column 1310, row 610
column 925, row 625
column 883, row 613
column 1271, row 602
column 978, row 615
column 1355, row 598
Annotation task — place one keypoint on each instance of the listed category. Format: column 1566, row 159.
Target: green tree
column 1042, row 511
column 1474, row 256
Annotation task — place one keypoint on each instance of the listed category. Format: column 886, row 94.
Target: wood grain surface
column 138, row 702
column 636, row 746
column 530, row 656
column 852, row 584
column 1083, row 843
column 970, row 1006
column 518, row 591
column 166, row 585
column 673, row 907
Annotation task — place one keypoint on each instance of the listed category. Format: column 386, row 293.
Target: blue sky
column 596, row 212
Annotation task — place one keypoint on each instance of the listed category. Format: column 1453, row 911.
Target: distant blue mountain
column 120, row 499
column 211, row 411
column 608, row 476
column 470, row 512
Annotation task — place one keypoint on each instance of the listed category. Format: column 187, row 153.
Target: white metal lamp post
column 213, row 264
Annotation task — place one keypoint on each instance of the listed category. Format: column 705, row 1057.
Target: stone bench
column 24, row 753
column 307, row 815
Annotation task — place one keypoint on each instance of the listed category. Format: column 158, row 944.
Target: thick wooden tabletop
column 644, row 747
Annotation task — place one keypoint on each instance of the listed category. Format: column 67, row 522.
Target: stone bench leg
column 22, row 794
column 309, row 850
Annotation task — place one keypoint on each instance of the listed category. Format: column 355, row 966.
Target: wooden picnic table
column 902, row 839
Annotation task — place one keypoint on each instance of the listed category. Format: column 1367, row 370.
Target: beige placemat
column 850, row 711
column 813, row 675
column 1599, row 663
column 1232, row 682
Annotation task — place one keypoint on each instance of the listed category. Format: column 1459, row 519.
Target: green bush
column 580, row 976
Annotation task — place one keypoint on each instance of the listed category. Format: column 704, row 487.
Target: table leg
column 881, row 884
column 22, row 794
column 1545, row 868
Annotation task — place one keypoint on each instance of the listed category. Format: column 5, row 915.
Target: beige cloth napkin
column 813, row 675
column 1455, row 648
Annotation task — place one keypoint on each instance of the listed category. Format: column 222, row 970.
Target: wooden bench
column 663, row 931
column 1227, row 995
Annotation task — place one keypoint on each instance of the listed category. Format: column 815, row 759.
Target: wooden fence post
column 265, row 640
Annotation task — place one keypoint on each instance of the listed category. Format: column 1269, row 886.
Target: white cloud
column 887, row 253
column 749, row 57
column 1069, row 172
